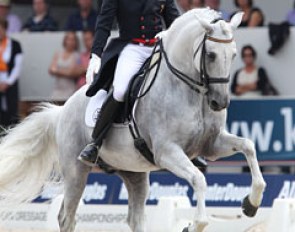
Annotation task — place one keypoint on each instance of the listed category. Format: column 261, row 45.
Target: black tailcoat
column 136, row 19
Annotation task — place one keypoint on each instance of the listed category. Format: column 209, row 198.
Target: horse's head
column 213, row 58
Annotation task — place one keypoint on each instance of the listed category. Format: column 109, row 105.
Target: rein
column 195, row 85
column 192, row 83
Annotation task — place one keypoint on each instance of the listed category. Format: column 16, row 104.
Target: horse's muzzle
column 218, row 106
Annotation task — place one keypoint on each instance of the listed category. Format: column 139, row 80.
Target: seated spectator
column 62, row 64
column 41, row 20
column 251, row 81
column 14, row 23
column 81, row 69
column 253, row 16
column 291, row 16
column 183, row 5
column 197, row 3
column 11, row 58
column 215, row 5
column 83, row 18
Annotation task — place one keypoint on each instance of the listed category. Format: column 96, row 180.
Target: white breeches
column 130, row 61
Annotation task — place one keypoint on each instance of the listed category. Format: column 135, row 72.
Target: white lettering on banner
column 102, row 218
column 24, row 216
column 95, row 191
column 289, row 128
column 123, row 195
column 215, row 192
column 255, row 133
column 228, row 193
column 157, row 191
column 263, row 138
column 234, row 129
column 51, row 191
column 262, row 134
column 288, row 190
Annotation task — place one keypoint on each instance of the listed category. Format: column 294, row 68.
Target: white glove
column 93, row 68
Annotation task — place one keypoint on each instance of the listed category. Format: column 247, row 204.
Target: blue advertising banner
column 268, row 123
column 223, row 189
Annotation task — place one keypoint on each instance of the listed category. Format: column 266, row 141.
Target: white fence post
column 282, row 218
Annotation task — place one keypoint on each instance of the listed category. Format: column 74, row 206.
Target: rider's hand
column 93, row 68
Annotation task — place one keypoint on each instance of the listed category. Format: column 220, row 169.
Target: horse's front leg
column 137, row 185
column 172, row 157
column 226, row 145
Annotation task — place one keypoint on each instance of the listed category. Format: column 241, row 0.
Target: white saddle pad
column 93, row 108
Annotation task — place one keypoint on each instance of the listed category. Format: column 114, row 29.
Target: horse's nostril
column 214, row 105
column 218, row 106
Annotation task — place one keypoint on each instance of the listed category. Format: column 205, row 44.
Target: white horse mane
column 204, row 13
column 191, row 18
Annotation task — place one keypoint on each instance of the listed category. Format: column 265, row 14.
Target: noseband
column 205, row 78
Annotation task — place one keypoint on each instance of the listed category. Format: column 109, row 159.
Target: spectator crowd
column 68, row 66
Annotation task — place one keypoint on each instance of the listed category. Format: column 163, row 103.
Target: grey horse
column 182, row 116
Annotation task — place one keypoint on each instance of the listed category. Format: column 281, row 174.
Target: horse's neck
column 179, row 47
column 168, row 89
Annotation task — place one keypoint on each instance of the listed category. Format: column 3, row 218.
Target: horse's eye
column 211, row 56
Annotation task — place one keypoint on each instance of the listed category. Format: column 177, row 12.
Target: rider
column 139, row 22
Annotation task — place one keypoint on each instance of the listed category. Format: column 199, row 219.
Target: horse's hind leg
column 172, row 157
column 137, row 185
column 75, row 178
column 226, row 145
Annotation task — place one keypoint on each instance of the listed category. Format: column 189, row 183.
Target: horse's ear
column 236, row 20
column 207, row 26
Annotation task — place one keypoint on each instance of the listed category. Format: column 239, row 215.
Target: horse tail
column 29, row 156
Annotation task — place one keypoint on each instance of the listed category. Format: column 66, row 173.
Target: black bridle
column 196, row 85
column 205, row 78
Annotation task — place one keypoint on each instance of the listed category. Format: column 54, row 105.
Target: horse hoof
column 248, row 209
column 185, row 229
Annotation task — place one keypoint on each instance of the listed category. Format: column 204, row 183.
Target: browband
column 219, row 40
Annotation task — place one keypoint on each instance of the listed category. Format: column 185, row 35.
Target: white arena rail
column 171, row 214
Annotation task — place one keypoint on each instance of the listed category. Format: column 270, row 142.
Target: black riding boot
column 107, row 115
